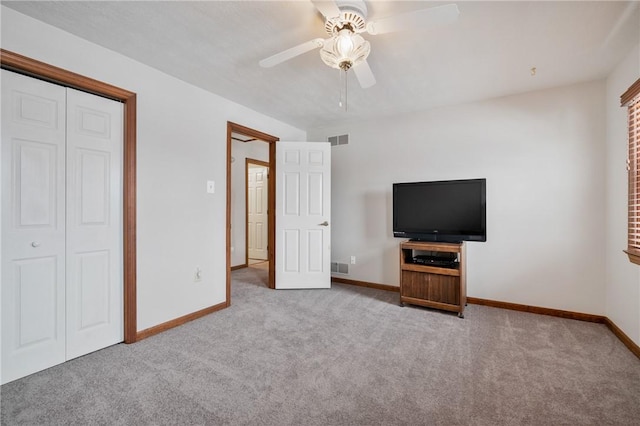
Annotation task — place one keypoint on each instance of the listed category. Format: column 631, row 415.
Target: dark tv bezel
column 443, row 236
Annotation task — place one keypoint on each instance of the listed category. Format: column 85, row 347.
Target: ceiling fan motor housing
column 353, row 15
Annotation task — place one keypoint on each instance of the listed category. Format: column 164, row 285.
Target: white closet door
column 33, row 225
column 94, row 223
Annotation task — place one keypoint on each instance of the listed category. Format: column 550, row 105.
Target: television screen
column 448, row 211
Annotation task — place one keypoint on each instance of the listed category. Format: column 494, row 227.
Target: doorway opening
column 240, row 136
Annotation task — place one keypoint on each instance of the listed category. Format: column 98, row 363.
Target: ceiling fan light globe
column 335, row 56
column 344, row 43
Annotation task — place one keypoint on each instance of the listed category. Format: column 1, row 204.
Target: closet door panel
column 94, row 223
column 33, row 225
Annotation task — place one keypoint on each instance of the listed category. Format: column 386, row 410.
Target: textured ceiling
column 487, row 53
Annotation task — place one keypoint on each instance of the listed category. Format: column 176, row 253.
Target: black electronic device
column 442, row 211
column 440, row 261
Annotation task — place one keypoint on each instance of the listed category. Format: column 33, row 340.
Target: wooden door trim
column 31, row 67
column 247, row 162
column 271, row 202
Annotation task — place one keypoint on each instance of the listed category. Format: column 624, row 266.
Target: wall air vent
column 340, row 268
column 338, row 140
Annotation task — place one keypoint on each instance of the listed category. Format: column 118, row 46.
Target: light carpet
column 344, row 356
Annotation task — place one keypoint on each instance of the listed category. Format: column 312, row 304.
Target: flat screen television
column 447, row 211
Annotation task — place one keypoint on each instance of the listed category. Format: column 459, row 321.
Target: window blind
column 631, row 99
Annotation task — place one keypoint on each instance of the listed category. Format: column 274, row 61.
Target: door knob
column 35, row 244
column 325, row 223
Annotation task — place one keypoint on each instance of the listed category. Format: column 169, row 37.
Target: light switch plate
column 211, row 187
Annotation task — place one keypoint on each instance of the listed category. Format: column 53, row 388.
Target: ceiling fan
column 345, row 48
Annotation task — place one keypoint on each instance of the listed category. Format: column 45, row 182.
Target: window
column 631, row 100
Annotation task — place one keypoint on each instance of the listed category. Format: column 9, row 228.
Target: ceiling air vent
column 338, row 140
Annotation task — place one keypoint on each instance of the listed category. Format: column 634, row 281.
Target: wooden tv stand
column 431, row 285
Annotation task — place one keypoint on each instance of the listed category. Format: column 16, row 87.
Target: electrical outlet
column 353, row 260
column 198, row 275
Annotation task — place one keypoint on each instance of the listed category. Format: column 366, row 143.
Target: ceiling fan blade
column 291, row 53
column 416, row 20
column 364, row 75
column 328, row 8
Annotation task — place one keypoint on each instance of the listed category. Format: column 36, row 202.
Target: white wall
column 181, row 144
column 623, row 277
column 542, row 154
column 256, row 150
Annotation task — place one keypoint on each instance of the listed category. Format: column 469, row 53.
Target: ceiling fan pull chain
column 343, row 89
column 340, row 85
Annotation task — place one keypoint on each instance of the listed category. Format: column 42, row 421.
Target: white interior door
column 303, row 215
column 33, row 225
column 62, row 292
column 257, row 211
column 94, row 223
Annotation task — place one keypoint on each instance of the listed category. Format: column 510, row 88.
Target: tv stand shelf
column 430, row 285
